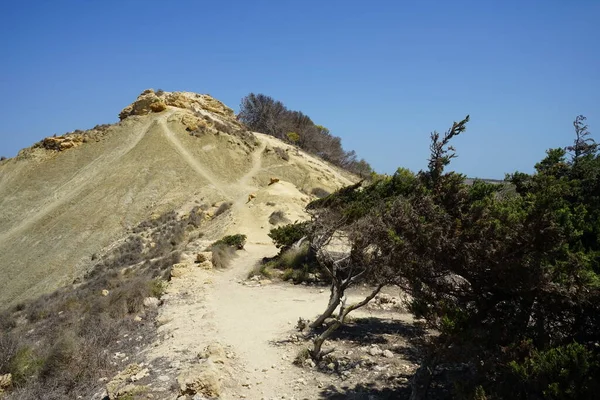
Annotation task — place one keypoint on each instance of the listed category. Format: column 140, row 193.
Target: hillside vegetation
column 262, row 113
column 507, row 275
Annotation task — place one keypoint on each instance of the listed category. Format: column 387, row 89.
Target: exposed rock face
column 146, row 103
column 60, row 143
column 150, row 101
column 201, row 379
column 204, row 260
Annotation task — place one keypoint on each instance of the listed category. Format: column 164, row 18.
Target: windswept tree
column 509, row 278
column 507, row 274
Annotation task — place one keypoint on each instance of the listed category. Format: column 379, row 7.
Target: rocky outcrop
column 146, row 103
column 179, row 269
column 60, row 143
column 151, row 101
column 202, row 378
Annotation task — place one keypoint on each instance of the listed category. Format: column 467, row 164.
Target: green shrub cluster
column 285, row 236
column 238, row 241
column 507, row 273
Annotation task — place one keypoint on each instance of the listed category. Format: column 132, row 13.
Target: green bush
column 285, row 236
column 293, row 258
column 24, row 365
column 561, row 373
column 238, row 241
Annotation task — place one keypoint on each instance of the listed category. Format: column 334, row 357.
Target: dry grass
column 223, row 207
column 59, row 345
column 222, row 255
column 278, row 217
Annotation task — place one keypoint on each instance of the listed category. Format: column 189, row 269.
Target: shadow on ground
column 365, row 392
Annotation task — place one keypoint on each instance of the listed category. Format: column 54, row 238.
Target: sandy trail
column 251, row 319
column 192, row 162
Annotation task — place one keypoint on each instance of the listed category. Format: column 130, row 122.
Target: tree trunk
column 316, row 352
column 334, row 301
column 421, row 380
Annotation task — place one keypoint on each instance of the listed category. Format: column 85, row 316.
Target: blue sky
column 380, row 74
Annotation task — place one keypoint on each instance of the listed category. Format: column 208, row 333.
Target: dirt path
column 192, row 162
column 252, row 319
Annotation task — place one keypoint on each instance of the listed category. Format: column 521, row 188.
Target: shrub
column 8, row 350
column 157, row 287
column 24, row 365
column 281, row 153
column 294, row 258
column 293, row 137
column 285, row 236
column 287, row 274
column 565, row 372
column 238, row 241
column 222, row 255
column 223, row 207
column 261, row 270
column 278, row 217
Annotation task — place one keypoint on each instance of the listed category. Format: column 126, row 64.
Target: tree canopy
column 507, row 274
column 264, row 114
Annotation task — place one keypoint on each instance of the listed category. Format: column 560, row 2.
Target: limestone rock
column 5, row 382
column 149, row 101
column 213, row 352
column 374, row 350
column 146, row 103
column 200, row 379
column 388, row 354
column 60, row 143
column 204, row 256
column 151, row 302
column 121, row 384
column 178, row 270
column 192, row 123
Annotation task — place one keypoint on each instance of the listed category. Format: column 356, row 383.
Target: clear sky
column 380, row 74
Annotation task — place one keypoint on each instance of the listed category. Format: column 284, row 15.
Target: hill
column 67, row 198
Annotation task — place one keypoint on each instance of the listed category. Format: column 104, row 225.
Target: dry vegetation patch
column 60, row 345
